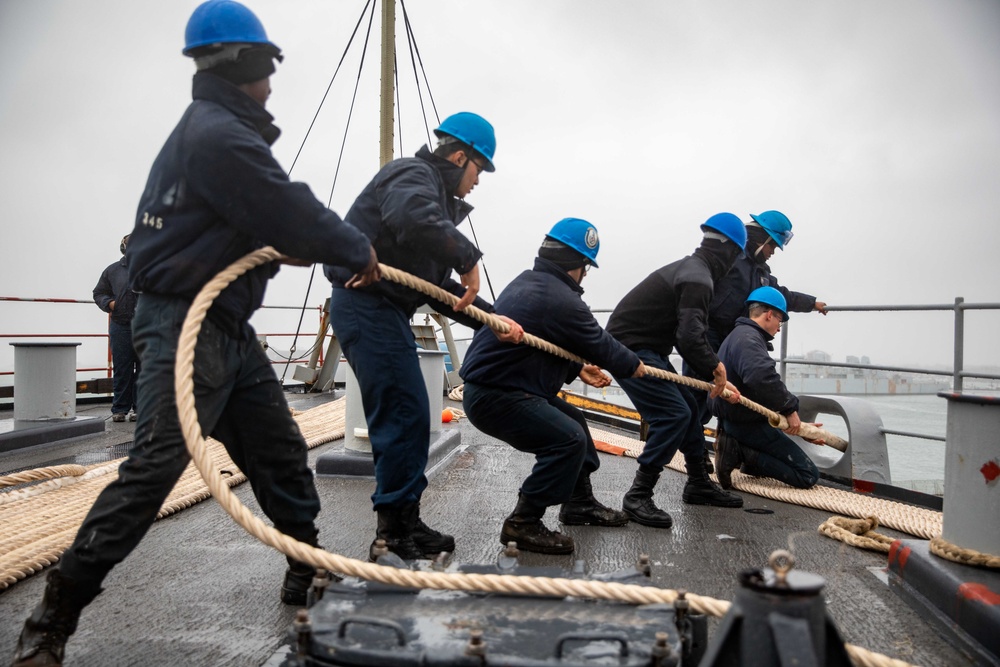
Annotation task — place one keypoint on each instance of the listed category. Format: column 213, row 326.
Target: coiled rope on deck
column 184, row 387
column 37, row 474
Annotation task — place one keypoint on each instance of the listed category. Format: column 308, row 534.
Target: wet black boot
column 43, row 640
column 395, row 526
column 700, row 490
column 429, row 541
column 728, row 457
column 299, row 575
column 525, row 527
column 582, row 509
column 638, row 502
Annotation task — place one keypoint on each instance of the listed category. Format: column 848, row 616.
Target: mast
column 388, row 87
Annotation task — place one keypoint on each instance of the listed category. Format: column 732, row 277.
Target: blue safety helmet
column 770, row 297
column 473, row 130
column 729, row 226
column 579, row 235
column 777, row 225
column 223, row 22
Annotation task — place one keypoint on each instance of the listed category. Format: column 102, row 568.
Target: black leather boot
column 396, row 528
column 700, row 490
column 429, row 541
column 43, row 639
column 299, row 576
column 728, row 457
column 525, row 527
column 582, row 509
column 638, row 502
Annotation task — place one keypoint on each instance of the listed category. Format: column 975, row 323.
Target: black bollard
column 779, row 617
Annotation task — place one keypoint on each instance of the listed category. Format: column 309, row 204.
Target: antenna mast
column 387, row 89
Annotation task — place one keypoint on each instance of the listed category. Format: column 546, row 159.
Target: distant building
column 818, row 379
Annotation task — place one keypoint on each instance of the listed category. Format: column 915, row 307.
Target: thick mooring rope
column 945, row 549
column 807, row 431
column 917, row 521
column 38, row 522
column 184, row 386
column 37, row 474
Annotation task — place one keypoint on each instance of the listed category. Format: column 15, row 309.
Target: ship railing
column 92, row 319
column 958, row 372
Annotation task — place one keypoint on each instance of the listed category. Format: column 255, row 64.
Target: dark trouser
column 778, row 457
column 239, row 402
column 551, row 429
column 701, row 397
column 671, row 411
column 126, row 367
column 379, row 345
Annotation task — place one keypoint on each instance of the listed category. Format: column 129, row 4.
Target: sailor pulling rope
column 184, row 387
column 807, row 431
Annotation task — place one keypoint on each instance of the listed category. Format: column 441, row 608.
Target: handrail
column 958, row 372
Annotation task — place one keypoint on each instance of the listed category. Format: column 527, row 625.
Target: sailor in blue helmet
column 668, row 310
column 511, row 390
column 214, row 194
column 410, row 210
column 746, row 438
column 767, row 232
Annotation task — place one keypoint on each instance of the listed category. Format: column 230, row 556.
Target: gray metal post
column 959, row 343
column 784, row 351
column 971, row 516
column 44, row 381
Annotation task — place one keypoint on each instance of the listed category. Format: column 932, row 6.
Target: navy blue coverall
column 751, row 369
column 214, row 194
column 511, row 390
column 669, row 308
column 729, row 303
column 411, row 216
column 113, row 286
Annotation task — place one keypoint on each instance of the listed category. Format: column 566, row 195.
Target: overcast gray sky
column 874, row 125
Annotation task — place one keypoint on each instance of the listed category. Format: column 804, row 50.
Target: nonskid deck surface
column 200, row 591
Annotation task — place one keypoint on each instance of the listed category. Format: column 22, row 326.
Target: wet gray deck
column 200, row 591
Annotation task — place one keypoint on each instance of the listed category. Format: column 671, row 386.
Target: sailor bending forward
column 511, row 390
column 745, row 438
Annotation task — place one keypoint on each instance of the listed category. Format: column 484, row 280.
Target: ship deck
column 200, row 591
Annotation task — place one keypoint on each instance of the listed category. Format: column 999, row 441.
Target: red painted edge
column 904, row 555
column 990, row 471
column 893, row 551
column 978, row 592
column 863, row 486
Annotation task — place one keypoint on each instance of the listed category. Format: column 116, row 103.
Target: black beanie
column 756, row 237
column 251, row 65
column 562, row 255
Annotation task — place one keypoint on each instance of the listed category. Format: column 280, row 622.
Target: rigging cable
column 343, row 56
column 414, row 49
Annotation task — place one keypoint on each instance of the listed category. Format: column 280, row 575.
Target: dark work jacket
column 732, row 291
column 751, row 369
column 669, row 309
column 113, row 286
column 214, row 194
column 547, row 302
column 410, row 216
